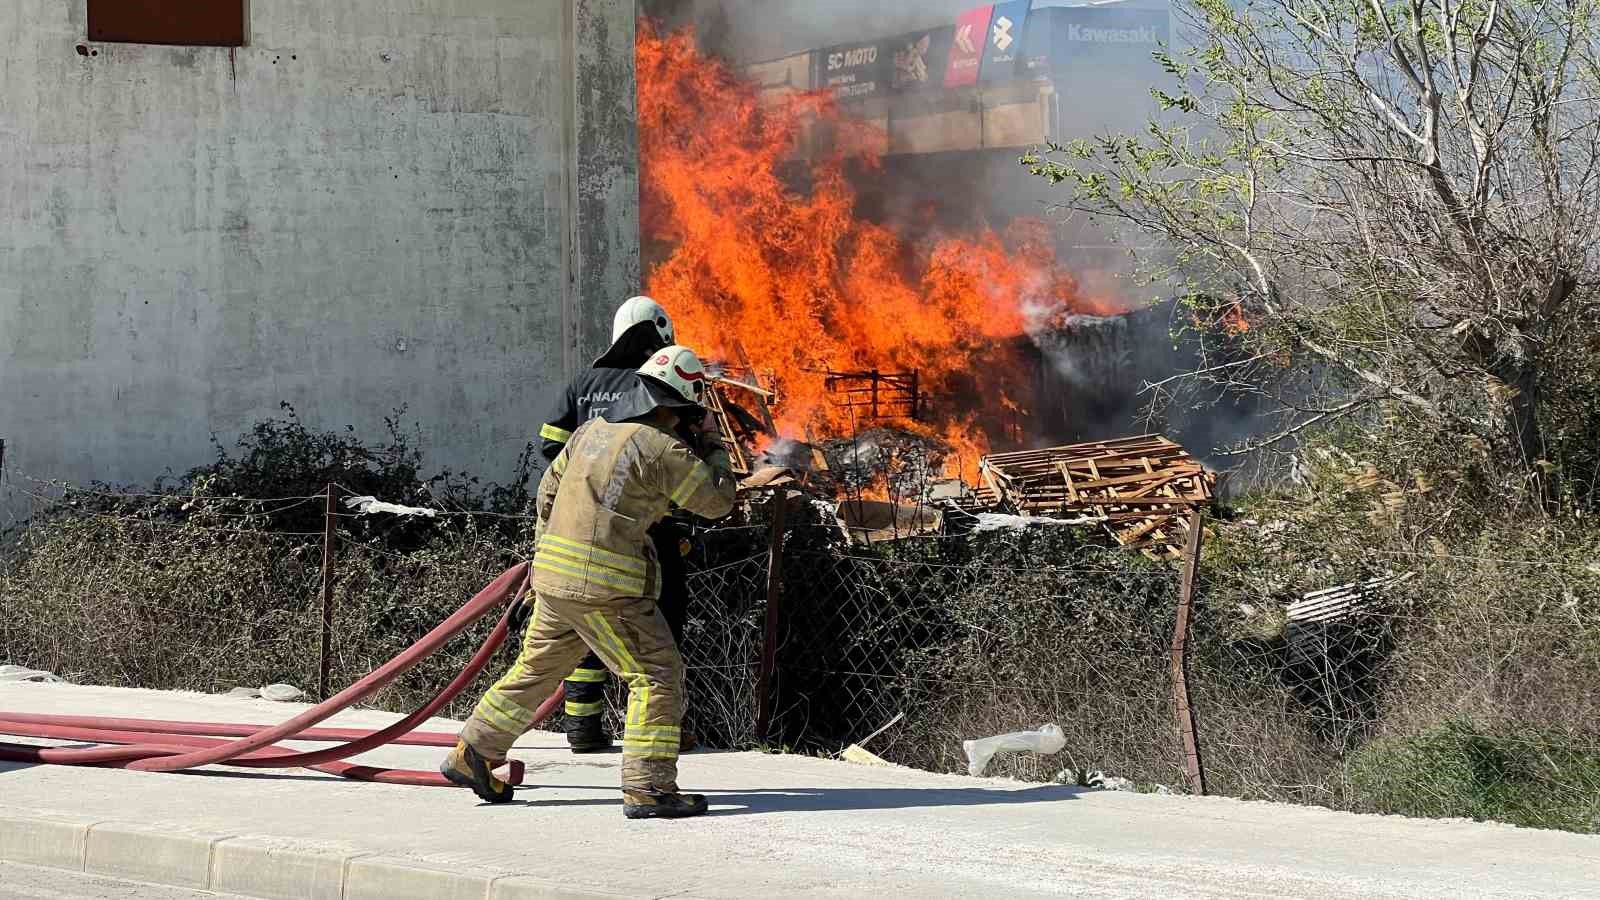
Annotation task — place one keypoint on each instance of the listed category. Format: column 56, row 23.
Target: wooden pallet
column 1142, row 487
column 969, row 500
column 737, row 455
column 739, row 387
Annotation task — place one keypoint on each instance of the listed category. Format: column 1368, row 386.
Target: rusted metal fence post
column 769, row 641
column 329, row 522
column 1182, row 709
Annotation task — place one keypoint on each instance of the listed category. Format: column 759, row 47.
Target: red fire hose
column 161, row 746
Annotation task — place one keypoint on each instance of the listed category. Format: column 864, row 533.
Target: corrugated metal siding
column 1335, row 603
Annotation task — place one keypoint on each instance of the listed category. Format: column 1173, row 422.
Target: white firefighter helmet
column 641, row 309
column 680, row 372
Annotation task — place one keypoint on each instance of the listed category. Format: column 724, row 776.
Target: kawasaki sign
column 1098, row 35
column 1086, row 33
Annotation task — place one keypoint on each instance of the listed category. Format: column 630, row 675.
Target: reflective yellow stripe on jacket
column 573, row 559
column 697, row 476
column 552, row 433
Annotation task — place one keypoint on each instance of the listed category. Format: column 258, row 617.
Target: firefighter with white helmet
column 596, row 578
column 639, row 329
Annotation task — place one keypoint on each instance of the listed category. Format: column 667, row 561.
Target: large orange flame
column 764, row 260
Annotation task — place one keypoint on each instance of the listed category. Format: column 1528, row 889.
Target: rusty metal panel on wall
column 197, row 23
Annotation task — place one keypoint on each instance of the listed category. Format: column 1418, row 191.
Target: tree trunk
column 1521, row 428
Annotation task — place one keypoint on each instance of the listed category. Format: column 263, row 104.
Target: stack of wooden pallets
column 1142, row 488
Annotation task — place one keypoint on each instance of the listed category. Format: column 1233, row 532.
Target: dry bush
column 205, row 605
column 1465, row 690
column 192, row 584
column 209, row 604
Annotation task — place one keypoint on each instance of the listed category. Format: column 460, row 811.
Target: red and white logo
column 966, row 55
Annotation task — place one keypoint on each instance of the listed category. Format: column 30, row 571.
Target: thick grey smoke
column 745, row 31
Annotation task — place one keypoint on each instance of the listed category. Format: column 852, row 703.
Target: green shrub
column 1455, row 771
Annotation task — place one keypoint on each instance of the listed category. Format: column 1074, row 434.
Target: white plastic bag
column 366, row 506
column 20, row 673
column 1046, row 740
column 283, row 693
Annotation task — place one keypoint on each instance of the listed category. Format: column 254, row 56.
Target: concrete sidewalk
column 780, row 826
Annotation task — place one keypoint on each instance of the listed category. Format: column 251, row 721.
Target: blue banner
column 1007, row 30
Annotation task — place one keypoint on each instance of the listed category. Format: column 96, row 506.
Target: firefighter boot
column 585, row 734
column 586, row 704
column 467, row 768
column 655, row 803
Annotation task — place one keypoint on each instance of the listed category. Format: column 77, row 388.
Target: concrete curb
column 252, row 865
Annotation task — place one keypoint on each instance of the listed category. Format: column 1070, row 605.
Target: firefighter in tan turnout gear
column 595, row 581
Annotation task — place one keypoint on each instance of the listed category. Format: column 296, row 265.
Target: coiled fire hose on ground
column 154, row 745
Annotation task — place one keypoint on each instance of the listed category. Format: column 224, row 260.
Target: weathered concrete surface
column 780, row 827
column 375, row 203
column 35, row 883
column 603, row 137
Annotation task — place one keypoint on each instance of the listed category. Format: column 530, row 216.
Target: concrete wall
column 376, row 202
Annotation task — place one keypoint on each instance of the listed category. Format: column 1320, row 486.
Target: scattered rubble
column 1100, row 781
column 1004, row 521
column 886, row 482
column 866, row 521
column 767, row 478
column 858, row 754
column 1110, row 782
column 282, row 693
column 1344, row 601
column 885, row 463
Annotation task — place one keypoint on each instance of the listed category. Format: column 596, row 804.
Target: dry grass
column 1467, row 692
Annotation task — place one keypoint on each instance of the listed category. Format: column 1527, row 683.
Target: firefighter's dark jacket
column 592, row 392
column 587, row 397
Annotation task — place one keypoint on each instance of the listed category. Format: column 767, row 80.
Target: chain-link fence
column 722, row 648
column 940, row 639
column 191, row 591
column 1445, row 686
column 1439, row 685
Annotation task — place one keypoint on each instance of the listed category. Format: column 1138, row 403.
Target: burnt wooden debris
column 1142, row 488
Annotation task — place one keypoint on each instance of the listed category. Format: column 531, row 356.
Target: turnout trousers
column 631, row 638
column 586, row 686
